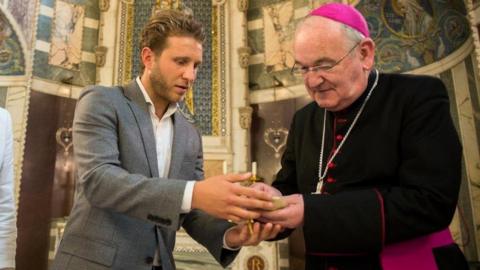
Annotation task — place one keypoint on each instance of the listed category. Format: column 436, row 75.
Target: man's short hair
column 167, row 23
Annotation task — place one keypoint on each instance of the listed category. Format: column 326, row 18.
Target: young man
column 372, row 167
column 138, row 161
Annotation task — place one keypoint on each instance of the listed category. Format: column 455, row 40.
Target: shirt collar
column 172, row 107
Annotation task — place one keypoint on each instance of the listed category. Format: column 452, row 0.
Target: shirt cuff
column 187, row 197
column 225, row 246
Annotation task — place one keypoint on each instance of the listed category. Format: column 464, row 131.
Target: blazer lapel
column 178, row 146
column 140, row 110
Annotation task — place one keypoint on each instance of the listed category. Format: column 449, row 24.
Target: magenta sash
column 415, row 254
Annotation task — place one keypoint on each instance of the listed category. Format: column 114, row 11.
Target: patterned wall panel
column 409, row 34
column 142, row 11
column 207, row 114
column 67, row 33
column 202, row 11
column 12, row 59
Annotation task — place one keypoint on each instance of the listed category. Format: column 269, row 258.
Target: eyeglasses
column 299, row 70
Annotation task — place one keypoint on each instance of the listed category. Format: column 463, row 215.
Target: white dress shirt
column 8, row 229
column 163, row 132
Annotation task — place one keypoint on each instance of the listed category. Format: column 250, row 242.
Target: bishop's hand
column 291, row 216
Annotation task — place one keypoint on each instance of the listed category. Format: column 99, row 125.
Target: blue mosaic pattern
column 202, row 10
column 443, row 29
column 142, row 12
column 12, row 59
column 41, row 67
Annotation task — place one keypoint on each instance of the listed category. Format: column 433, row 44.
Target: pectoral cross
column 318, row 190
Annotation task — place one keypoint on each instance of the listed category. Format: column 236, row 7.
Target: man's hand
column 240, row 236
column 289, row 217
column 219, row 196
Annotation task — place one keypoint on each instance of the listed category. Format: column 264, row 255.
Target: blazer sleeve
column 205, row 229
column 8, row 229
column 103, row 179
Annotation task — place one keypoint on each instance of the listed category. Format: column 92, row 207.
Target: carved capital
column 245, row 117
column 244, row 56
column 104, row 5
column 100, row 55
column 242, row 5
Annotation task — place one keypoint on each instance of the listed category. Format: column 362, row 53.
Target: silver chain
column 320, row 165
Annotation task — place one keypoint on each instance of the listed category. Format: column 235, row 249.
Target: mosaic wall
column 12, row 60
column 67, row 33
column 24, row 13
column 142, row 11
column 202, row 106
column 424, row 31
column 409, row 34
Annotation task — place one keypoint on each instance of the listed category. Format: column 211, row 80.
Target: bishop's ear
column 367, row 52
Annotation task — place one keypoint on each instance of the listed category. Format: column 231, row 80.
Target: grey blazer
column 120, row 202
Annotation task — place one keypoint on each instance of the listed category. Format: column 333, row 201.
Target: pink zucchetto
column 344, row 14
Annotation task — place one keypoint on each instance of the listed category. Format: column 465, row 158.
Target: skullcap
column 344, row 14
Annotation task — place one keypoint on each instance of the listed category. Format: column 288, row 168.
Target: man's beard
column 159, row 85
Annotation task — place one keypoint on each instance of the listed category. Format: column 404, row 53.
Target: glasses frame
column 298, row 70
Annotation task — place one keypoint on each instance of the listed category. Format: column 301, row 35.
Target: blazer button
column 149, row 260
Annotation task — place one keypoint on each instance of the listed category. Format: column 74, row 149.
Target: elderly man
column 372, row 166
